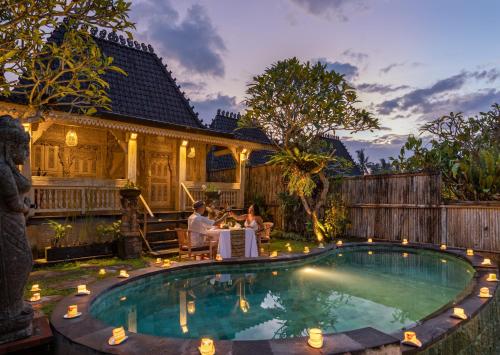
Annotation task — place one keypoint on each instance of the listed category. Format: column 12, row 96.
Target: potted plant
column 211, row 193
column 130, row 190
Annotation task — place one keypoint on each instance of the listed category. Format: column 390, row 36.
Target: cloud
column 208, row 106
column 388, row 68
column 350, row 71
column 384, row 146
column 329, row 8
column 380, row 88
column 357, row 56
column 193, row 88
column 192, row 41
column 443, row 95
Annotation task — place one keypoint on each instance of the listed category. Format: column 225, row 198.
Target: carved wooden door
column 160, row 178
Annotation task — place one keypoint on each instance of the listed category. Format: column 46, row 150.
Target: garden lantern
column 459, row 313
column 315, row 338
column 492, row 278
column 207, row 347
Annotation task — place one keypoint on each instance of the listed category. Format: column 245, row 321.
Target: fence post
column 83, row 202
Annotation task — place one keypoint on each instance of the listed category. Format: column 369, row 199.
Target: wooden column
column 181, row 202
column 132, row 158
column 26, row 167
column 241, row 157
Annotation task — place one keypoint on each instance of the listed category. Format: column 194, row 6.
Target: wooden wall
column 397, row 206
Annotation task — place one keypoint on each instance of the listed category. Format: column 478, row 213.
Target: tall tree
column 362, row 161
column 296, row 104
column 67, row 74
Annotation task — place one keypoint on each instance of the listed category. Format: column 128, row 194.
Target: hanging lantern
column 71, row 138
column 191, row 307
column 192, row 153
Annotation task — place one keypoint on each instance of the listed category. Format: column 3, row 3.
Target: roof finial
column 223, row 113
column 238, row 115
column 218, row 111
column 93, row 31
column 150, row 48
column 144, row 47
column 130, row 43
column 102, row 34
column 137, row 45
column 122, row 40
column 113, row 37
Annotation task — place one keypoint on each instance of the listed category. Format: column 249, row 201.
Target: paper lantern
column 486, row 262
column 410, row 338
column 274, row 254
column 71, row 138
column 118, row 336
column 207, row 347
column 404, row 242
column 492, row 278
column 72, row 312
column 82, row 290
column 218, row 257
column 191, row 307
column 306, row 250
column 35, row 288
column 484, row 292
column 470, row 252
column 315, row 338
column 35, row 297
column 339, row 243
column 370, row 240
column 459, row 313
column 443, row 247
column 102, row 272
column 123, row 274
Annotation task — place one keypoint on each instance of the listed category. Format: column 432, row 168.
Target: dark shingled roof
column 228, row 122
column 148, row 92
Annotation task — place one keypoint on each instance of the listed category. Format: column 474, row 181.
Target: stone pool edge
column 87, row 335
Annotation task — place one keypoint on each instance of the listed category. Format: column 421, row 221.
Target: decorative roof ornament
column 223, row 113
column 93, row 31
column 84, row 27
column 218, row 111
column 137, row 45
column 144, row 47
column 130, row 43
column 102, row 34
column 238, row 116
column 122, row 40
column 113, row 37
column 150, row 48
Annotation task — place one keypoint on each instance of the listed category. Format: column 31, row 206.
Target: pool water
column 383, row 288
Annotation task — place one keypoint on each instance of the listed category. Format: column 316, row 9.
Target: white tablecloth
column 224, row 242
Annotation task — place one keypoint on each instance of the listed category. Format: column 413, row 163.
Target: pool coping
column 86, row 333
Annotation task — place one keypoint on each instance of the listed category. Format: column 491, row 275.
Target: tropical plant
column 336, row 219
column 109, row 231
column 362, row 161
column 466, row 151
column 60, row 232
column 130, row 185
column 63, row 71
column 296, row 104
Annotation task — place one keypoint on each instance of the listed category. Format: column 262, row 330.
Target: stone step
column 164, row 253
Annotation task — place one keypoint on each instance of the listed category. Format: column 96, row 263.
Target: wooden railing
column 79, row 196
column 230, row 193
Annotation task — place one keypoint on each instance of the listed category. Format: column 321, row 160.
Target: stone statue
column 15, row 253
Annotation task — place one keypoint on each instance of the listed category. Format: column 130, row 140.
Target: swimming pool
column 383, row 287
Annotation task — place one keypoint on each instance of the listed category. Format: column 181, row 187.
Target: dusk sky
column 411, row 61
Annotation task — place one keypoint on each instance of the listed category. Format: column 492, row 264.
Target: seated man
column 198, row 224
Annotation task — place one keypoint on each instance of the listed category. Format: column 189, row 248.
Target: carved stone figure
column 15, row 253
column 129, row 244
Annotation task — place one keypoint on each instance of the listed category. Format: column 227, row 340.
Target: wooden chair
column 238, row 243
column 264, row 237
column 185, row 248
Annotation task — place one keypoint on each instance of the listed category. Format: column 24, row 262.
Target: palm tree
column 362, row 161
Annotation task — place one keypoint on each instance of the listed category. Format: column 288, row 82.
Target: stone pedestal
column 130, row 242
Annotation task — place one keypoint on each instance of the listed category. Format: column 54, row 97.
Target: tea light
column 123, row 274
column 191, row 307
column 72, row 312
column 273, row 254
column 166, row 263
column 370, row 252
column 218, row 257
column 484, row 292
column 82, row 290
column 492, row 278
column 207, row 347
column 459, row 313
column 443, row 247
column 289, row 248
column 315, row 338
column 410, row 338
column 470, row 252
column 306, row 250
column 405, row 255
column 118, row 337
column 35, row 297
column 35, row 288
column 404, row 242
column 244, row 305
column 486, row 262
column 158, row 261
column 339, row 243
column 102, row 272
column 370, row 240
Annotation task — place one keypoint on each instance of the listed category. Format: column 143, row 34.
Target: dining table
column 223, row 239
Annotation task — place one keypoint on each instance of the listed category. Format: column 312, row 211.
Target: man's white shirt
column 198, row 226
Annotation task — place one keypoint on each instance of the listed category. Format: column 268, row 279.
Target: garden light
column 470, row 252
column 166, row 263
column 35, row 297
column 315, row 338
column 118, row 336
column 207, row 347
column 123, row 274
column 102, row 272
column 72, row 312
column 492, row 278
column 273, row 254
column 486, row 262
column 218, row 257
column 289, row 248
column 306, row 250
column 484, row 292
column 158, row 261
column 35, row 288
column 82, row 290
column 459, row 313
column 443, row 247
column 370, row 240
column 191, row 307
column 404, row 242
column 339, row 243
column 410, row 338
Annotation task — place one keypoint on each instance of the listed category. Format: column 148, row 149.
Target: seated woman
column 252, row 219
